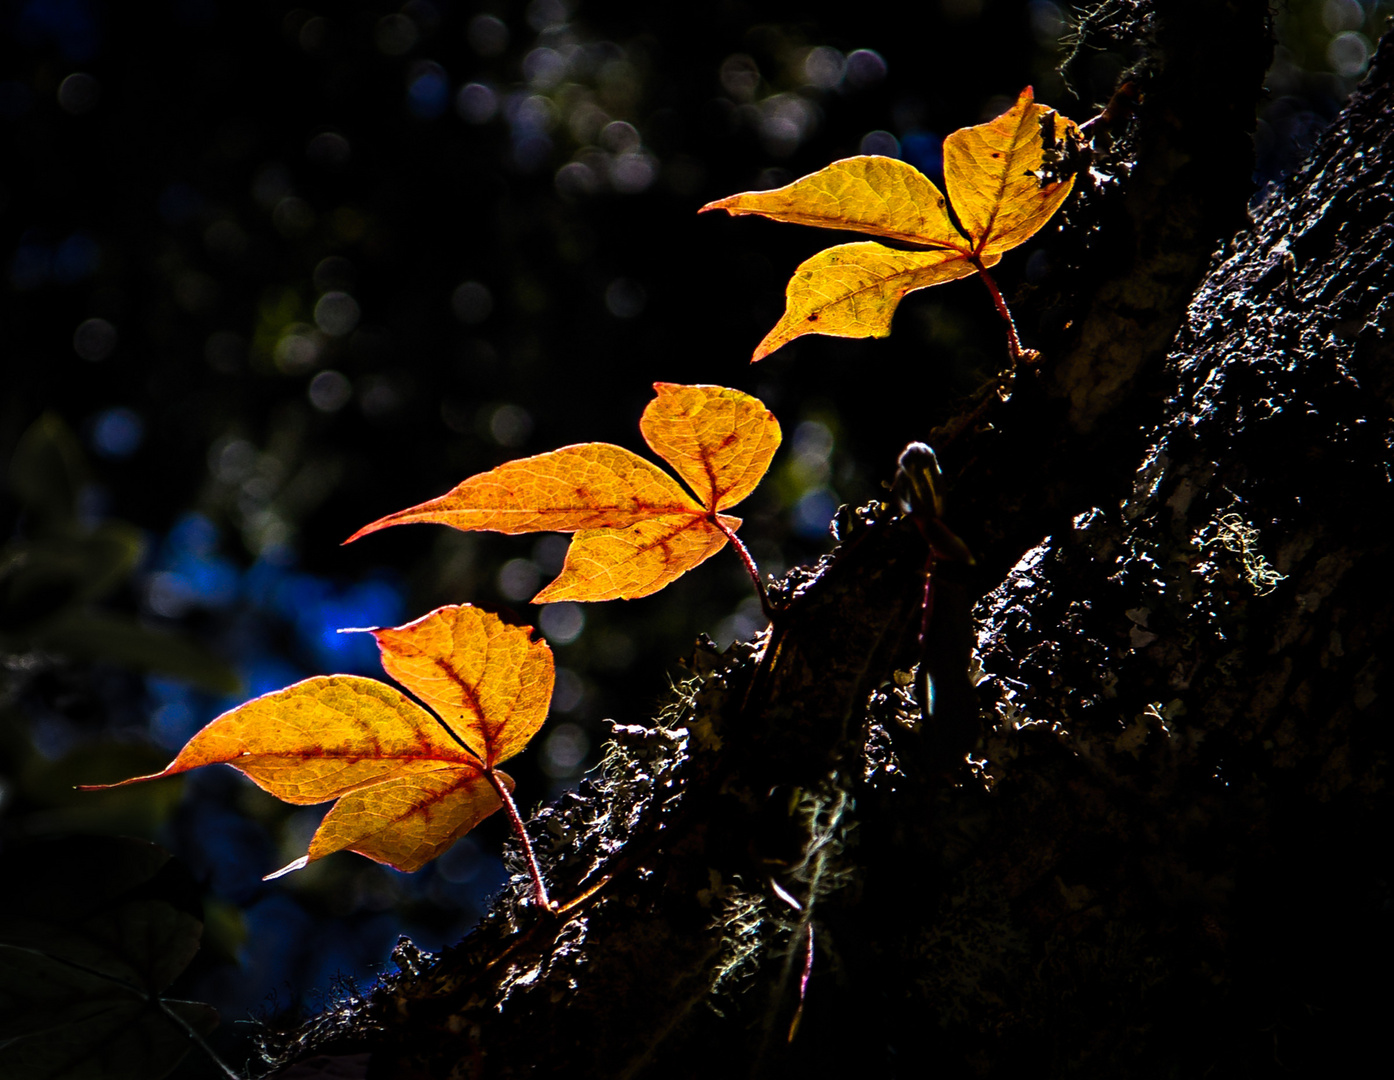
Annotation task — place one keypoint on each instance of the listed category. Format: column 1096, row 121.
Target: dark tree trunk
column 1165, row 854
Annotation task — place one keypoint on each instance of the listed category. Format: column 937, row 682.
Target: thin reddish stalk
column 539, row 888
column 1013, row 342
column 750, row 567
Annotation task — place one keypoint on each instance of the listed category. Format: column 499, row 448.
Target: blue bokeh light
column 813, row 512
column 232, row 851
column 266, row 674
column 924, row 150
column 428, row 90
column 117, row 432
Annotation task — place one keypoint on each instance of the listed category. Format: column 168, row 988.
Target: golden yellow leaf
column 719, row 441
column 591, row 485
column 637, row 560
column 406, row 787
column 408, row 821
column 852, row 290
column 872, row 194
column 637, row 529
column 489, row 682
column 321, row 738
column 992, row 173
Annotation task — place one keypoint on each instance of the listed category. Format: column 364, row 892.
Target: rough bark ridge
column 1166, row 857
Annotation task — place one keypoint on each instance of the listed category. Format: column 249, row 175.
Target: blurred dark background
column 273, row 272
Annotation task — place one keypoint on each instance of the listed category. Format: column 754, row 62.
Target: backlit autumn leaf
column 488, row 681
column 408, row 783
column 991, row 172
column 637, row 529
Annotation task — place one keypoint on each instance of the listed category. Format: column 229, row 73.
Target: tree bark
column 1152, row 842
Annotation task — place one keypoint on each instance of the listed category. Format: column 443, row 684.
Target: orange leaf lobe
column 490, row 683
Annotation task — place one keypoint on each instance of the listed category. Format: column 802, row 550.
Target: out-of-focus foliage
column 53, row 575
column 92, row 932
column 1323, row 51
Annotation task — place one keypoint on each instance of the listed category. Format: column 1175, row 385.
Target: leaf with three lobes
column 636, row 528
column 992, row 174
column 408, row 783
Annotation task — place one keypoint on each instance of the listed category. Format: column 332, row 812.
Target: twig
column 584, row 895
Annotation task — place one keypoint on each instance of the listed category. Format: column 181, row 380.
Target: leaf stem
column 750, row 567
column 539, row 888
column 1013, row 342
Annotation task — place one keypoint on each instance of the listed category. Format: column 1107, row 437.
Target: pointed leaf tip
column 371, row 527
column 298, row 864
